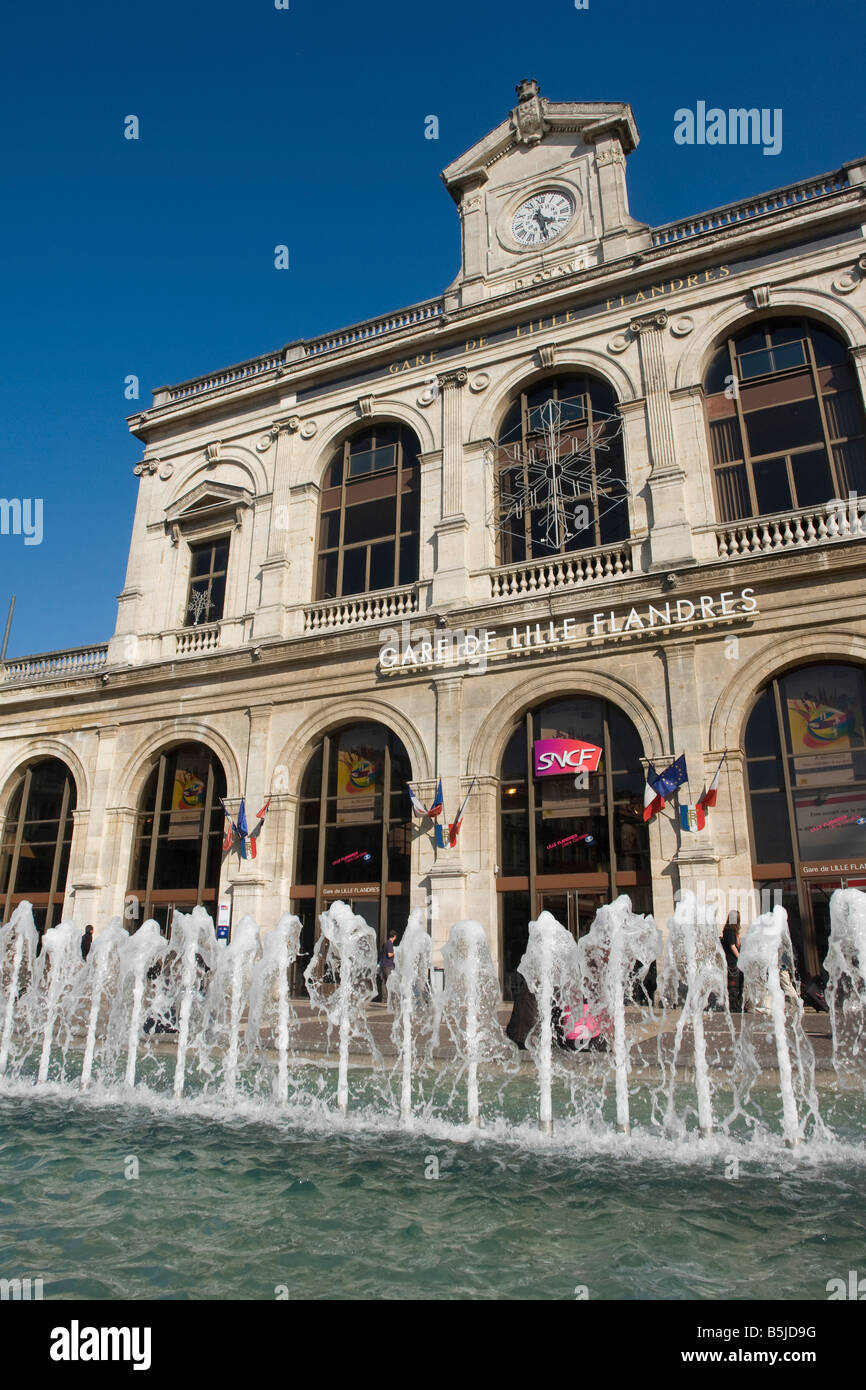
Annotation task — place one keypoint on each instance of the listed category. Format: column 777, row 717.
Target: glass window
column 792, row 436
column 207, row 586
column 561, row 470
column 368, row 533
column 34, row 854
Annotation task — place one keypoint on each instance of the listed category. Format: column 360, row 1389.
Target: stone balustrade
column 191, row 641
column 562, row 571
column 75, row 661
column 749, row 209
column 790, row 530
column 331, row 615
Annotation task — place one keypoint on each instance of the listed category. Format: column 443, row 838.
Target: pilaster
column 670, row 532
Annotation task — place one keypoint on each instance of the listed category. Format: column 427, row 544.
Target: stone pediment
column 205, row 506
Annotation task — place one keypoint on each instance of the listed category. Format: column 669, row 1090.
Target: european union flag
column 672, row 777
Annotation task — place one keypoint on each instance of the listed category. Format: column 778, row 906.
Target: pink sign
column 558, row 755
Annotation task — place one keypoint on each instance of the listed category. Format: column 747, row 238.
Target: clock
column 542, row 217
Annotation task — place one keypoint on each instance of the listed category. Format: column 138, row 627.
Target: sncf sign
column 565, row 755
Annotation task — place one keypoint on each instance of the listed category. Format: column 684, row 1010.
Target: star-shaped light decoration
column 556, row 474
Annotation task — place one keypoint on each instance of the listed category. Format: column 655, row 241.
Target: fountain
column 765, row 953
column 410, row 1001
column 469, row 1008
column 279, row 951
column 846, row 984
column 22, row 933
column 104, row 952
column 61, row 961
column 141, row 953
column 618, row 943
column 551, row 969
column 693, row 961
column 346, row 950
column 193, row 941
column 226, row 996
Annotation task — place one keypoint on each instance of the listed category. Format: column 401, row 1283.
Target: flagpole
column 249, row 742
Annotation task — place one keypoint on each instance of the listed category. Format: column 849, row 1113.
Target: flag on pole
column 707, row 799
column 230, row 832
column 659, row 786
column 692, row 817
column 454, row 830
column 417, row 806
column 260, row 815
column 257, row 828
column 441, row 836
column 438, row 802
column 243, row 833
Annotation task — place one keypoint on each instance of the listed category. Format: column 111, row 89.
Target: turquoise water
column 254, row 1204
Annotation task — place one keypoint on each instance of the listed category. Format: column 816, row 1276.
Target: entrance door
column 575, row 908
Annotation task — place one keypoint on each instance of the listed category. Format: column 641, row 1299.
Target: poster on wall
column 831, row 827
column 575, row 721
column 825, row 723
column 187, row 803
column 359, row 778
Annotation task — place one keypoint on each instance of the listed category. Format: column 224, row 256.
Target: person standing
column 731, row 948
column 386, row 965
column 86, row 942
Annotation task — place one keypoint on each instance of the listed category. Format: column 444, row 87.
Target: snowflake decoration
column 557, row 475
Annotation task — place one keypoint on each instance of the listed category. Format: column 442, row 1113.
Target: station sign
column 555, row 756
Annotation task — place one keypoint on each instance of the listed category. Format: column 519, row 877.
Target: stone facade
column 246, row 450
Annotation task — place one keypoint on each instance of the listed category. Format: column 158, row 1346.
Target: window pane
column 771, row 486
column 329, row 530
column 409, row 560
column 410, row 504
column 327, row 585
column 369, row 520
column 813, row 481
column 382, row 565
column 827, row 348
column 200, row 559
column 718, row 370
column 770, row 821
column 850, row 462
column 355, row 571
column 220, row 555
column 784, row 427
column 733, row 490
column 217, row 598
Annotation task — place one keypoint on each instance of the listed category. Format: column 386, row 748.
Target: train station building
column 605, row 489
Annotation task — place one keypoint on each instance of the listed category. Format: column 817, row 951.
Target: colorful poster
column 359, row 777
column 831, row 827
column 187, row 804
column 565, row 755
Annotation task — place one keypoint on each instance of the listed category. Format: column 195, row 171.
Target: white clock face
column 541, row 218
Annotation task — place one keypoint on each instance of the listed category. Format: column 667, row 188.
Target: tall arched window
column 565, row 848
column 354, row 829
column 561, row 470
column 368, row 528
column 806, row 769
column 785, row 420
column 34, row 855
column 178, row 835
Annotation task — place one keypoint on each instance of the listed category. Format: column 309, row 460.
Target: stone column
column 275, row 567
column 670, row 532
column 451, row 580
column 447, row 876
column 696, row 859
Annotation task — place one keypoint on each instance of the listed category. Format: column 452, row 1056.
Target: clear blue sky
column 306, row 127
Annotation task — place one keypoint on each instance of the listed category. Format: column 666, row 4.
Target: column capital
column 458, row 376
column 648, row 321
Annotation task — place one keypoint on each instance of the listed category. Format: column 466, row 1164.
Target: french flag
column 708, row 798
column 438, row 802
column 454, row 830
column 653, row 800
column 417, row 805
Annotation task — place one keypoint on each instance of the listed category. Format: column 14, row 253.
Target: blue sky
column 305, row 126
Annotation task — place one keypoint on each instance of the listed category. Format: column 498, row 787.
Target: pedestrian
column 386, row 965
column 86, row 942
column 731, row 948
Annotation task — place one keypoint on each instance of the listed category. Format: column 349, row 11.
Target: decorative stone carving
column 618, row 343
column 212, row 451
column 546, row 355
column 682, row 326
column 365, row 406
column 527, row 118
column 479, row 382
column 844, row 284
column 308, row 429
column 760, row 296
column 449, row 380
column 146, row 468
column 647, row 322
column 165, row 471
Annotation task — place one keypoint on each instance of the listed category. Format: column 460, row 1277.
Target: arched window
column 368, row 528
column 178, row 835
column 565, row 848
column 785, row 420
column 34, row 856
column 354, row 829
column 561, row 470
column 806, row 769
